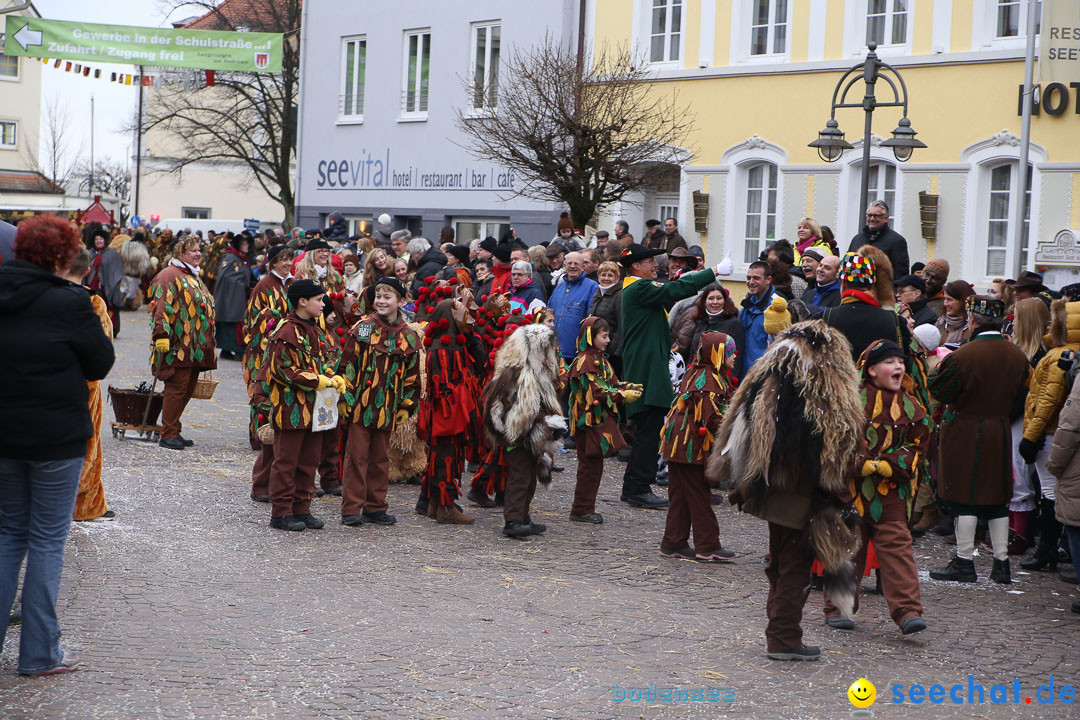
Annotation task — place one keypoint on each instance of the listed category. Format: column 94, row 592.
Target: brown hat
column 679, row 252
column 1029, row 281
column 565, row 223
column 938, row 267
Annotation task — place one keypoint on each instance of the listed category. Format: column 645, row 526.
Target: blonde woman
column 316, row 265
column 809, row 235
column 376, row 267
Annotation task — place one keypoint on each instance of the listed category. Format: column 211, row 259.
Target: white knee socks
column 999, row 537
column 965, row 536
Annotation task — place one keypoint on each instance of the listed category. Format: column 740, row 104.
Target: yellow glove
column 630, row 395
column 401, row 417
column 324, row 382
column 776, row 318
column 877, row 467
column 161, row 345
column 338, row 382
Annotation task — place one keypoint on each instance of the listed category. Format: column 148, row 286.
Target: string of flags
column 187, row 79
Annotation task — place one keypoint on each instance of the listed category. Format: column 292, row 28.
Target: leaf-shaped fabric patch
column 700, row 383
column 868, row 488
column 871, row 436
column 294, row 418
column 875, row 509
column 369, row 415
column 909, row 407
column 877, row 405
column 690, row 451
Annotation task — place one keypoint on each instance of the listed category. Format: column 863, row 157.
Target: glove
column 338, row 382
column 877, row 467
column 324, row 382
column 401, row 417
column 161, row 345
column 776, row 318
column 1028, row 450
column 726, row 267
column 630, row 395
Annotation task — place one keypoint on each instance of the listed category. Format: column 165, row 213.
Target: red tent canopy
column 95, row 213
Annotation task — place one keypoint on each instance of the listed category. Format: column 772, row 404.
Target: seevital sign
column 159, row 47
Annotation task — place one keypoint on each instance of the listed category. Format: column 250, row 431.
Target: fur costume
column 521, row 402
column 792, row 430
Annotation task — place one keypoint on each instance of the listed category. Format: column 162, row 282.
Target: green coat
column 646, row 336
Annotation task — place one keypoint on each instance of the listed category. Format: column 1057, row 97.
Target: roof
column 27, row 181
column 235, row 13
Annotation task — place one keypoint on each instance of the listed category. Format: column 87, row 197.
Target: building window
column 486, row 42
column 195, row 213
column 354, row 65
column 760, row 209
column 417, row 67
column 1012, row 18
column 665, row 36
column 9, row 65
column 883, row 185
column 887, row 22
column 1002, row 216
column 768, row 27
column 468, row 229
column 669, row 211
column 9, row 134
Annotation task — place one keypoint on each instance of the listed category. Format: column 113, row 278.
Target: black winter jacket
column 428, row 265
column 608, row 305
column 51, row 344
column 889, row 242
column 862, row 323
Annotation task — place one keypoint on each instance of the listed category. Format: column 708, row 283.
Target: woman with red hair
column 51, row 344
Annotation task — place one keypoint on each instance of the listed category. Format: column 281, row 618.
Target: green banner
column 158, row 47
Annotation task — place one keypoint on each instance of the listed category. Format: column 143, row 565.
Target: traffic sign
column 129, row 45
column 135, row 221
column 251, row 224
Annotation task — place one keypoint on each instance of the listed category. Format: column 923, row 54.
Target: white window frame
column 14, row 145
column 1013, row 214
column 850, row 185
column 883, row 193
column 744, row 212
column 359, row 81
column 485, row 106
column 485, row 224
column 984, row 27
column 855, row 29
column 18, row 65
column 748, row 28
column 196, row 213
column 645, row 13
column 423, row 45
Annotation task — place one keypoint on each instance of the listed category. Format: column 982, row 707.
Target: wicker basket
column 129, row 406
column 265, row 434
column 205, row 386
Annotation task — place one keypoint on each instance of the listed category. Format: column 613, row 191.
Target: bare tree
column 110, row 178
column 246, row 119
column 59, row 147
column 583, row 136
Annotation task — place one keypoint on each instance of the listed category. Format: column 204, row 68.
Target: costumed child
column 295, row 372
column 522, row 413
column 267, row 305
column 787, row 444
column 884, row 480
column 331, row 335
column 594, row 415
column 380, row 361
column 450, row 420
column 689, row 430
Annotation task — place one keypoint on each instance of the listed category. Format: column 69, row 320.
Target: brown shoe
column 931, row 516
column 432, row 509
column 450, row 515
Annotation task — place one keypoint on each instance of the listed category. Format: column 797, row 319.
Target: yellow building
column 759, row 76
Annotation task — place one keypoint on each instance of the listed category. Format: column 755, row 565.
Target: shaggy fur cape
column 797, row 418
column 521, row 402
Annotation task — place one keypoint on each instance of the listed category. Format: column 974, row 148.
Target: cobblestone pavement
column 189, row 606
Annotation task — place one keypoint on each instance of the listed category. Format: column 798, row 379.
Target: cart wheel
column 114, row 431
column 123, row 434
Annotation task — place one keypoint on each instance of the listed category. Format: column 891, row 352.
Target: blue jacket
column 527, row 293
column 826, row 295
column 570, row 300
column 753, row 320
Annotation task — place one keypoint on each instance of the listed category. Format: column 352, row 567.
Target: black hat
column 273, row 252
column 636, row 252
column 985, row 305
column 301, row 289
column 460, row 252
column 488, row 244
column 317, row 244
column 814, row 253
column 502, row 252
column 882, row 350
column 653, row 222
column 393, row 283
column 235, row 242
column 911, row 281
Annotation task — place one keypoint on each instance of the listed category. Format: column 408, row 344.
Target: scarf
column 320, row 271
column 953, row 327
column 853, row 296
column 177, row 262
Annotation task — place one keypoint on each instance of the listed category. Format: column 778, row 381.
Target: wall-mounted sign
column 374, row 170
column 1059, row 41
column 1062, row 251
column 159, row 47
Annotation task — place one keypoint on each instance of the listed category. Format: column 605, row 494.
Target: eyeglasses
column 875, row 215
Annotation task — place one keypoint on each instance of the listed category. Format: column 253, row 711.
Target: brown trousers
column 260, row 474
column 330, row 465
column 690, row 505
column 292, row 476
column 590, row 470
column 520, row 485
column 178, row 390
column 899, row 575
column 788, row 571
column 367, row 470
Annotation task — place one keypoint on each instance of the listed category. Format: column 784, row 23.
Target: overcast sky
column 114, row 104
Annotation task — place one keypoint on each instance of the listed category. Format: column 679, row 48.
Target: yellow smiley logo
column 862, row 693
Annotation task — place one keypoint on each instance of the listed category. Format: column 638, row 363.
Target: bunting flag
column 164, row 78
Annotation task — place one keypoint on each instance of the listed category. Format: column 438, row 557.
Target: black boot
column 958, row 570
column 1000, row 574
column 1046, row 554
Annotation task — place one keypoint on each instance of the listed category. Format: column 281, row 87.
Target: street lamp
column 831, row 144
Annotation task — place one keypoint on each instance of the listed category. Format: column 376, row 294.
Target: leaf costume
column 268, row 304
column 294, row 363
column 699, row 408
column 181, row 309
column 594, row 394
column 381, row 365
column 213, row 254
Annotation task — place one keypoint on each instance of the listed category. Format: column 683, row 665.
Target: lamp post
column 831, row 143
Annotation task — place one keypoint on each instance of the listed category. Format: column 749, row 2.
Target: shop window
column 414, row 100
column 665, row 31
column 353, row 71
column 9, row 134
column 486, row 45
column 761, row 203
column 887, row 22
column 768, row 27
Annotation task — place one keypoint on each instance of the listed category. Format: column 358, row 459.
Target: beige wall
column 20, row 100
column 228, row 192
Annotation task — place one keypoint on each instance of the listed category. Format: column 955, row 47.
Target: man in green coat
column 646, row 354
